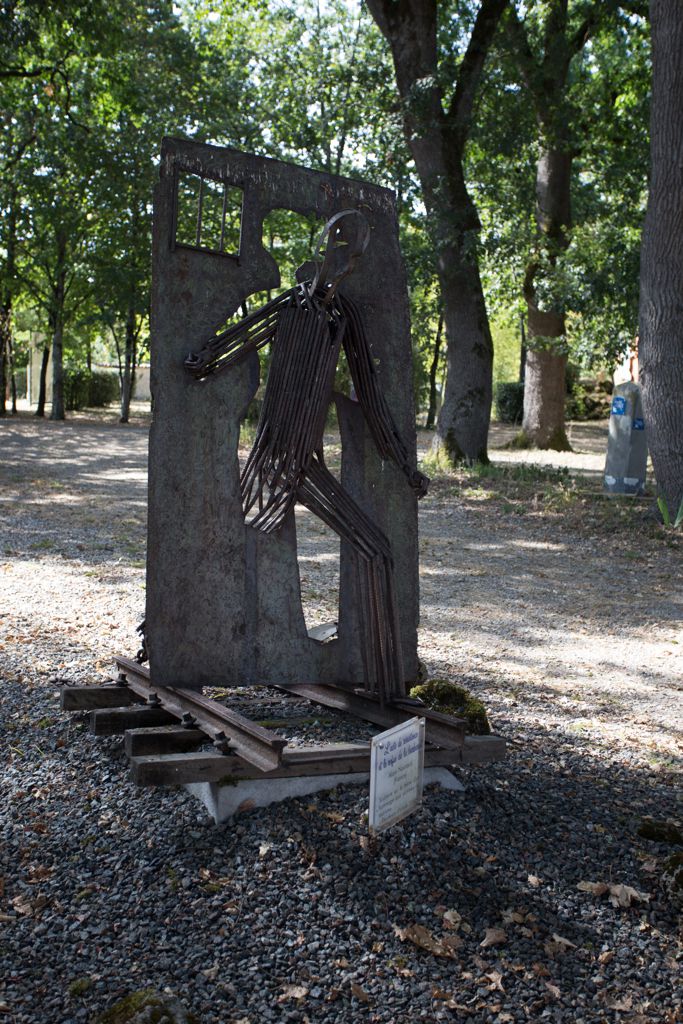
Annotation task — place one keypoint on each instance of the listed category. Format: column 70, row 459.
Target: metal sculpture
column 307, row 327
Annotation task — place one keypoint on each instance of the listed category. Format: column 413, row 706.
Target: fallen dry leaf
column 510, row 916
column 449, row 1000
column 28, row 907
column 625, row 895
column 452, row 919
column 553, row 989
column 292, row 992
column 534, row 881
column 606, row 956
column 335, row 816
column 493, row 937
column 38, row 872
column 597, row 888
column 557, row 945
column 622, row 1004
column 359, row 993
column 422, row 937
column 264, row 849
column 619, row 895
column 496, row 978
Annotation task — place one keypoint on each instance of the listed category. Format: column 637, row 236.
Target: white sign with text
column 396, row 768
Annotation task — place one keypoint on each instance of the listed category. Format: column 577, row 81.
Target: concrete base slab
column 223, row 802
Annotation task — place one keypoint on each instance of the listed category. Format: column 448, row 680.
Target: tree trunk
column 463, row 424
column 522, row 350
column 42, row 390
column 544, row 397
column 436, row 138
column 661, row 274
column 12, row 374
column 128, row 378
column 434, row 366
column 545, row 387
column 58, row 339
column 10, row 272
column 58, row 372
column 5, row 329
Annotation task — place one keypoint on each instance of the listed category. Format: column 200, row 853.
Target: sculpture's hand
column 418, row 481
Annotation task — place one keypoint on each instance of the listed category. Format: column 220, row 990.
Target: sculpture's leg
column 324, row 496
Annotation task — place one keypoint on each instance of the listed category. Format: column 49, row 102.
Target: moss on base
column 155, row 1008
column 451, row 699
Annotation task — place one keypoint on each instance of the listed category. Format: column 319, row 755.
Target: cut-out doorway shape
column 223, row 602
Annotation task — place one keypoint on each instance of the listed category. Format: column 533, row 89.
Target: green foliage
column 510, row 402
column 666, row 515
column 83, row 116
column 87, row 389
column 450, row 699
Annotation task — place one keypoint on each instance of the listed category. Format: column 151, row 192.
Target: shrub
column 510, row 401
column 87, row 389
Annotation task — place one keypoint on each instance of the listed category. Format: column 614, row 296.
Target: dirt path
column 554, row 602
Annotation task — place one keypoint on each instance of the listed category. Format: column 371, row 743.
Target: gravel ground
column 560, row 609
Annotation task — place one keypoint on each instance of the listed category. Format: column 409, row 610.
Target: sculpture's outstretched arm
column 232, row 345
column 389, row 442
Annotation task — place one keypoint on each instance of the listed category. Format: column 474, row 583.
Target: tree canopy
column 461, row 126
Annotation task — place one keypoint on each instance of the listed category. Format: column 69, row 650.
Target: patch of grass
column 42, row 545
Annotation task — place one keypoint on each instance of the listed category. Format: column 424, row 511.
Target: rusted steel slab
column 235, row 733
column 168, row 739
column 111, row 721
column 442, row 730
column 87, row 698
column 339, row 759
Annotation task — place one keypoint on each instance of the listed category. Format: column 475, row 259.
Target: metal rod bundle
column 307, row 326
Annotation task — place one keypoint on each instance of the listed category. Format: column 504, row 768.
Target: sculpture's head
column 342, row 242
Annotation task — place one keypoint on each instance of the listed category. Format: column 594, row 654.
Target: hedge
column 89, row 389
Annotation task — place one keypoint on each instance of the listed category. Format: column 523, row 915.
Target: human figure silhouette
column 307, row 325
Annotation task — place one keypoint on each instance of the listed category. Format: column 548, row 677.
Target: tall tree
column 437, row 118
column 661, row 275
column 545, row 70
column 551, row 43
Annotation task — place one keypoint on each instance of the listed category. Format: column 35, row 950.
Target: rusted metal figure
column 307, row 326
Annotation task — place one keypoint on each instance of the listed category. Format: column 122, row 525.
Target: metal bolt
column 154, row 700
column 122, row 679
column 188, row 721
column 221, row 743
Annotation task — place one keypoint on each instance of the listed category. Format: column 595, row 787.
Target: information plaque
column 396, row 767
